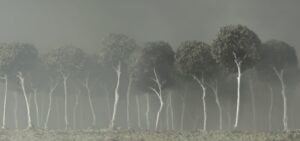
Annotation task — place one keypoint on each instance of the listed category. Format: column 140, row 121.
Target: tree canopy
column 195, row 58
column 238, row 40
column 154, row 55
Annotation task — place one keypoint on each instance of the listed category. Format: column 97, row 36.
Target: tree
column 279, row 60
column 194, row 59
column 67, row 61
column 115, row 53
column 153, row 71
column 17, row 58
column 237, row 49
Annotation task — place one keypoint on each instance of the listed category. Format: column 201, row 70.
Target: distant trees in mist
column 124, row 68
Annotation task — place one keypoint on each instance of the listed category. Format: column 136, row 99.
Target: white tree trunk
column 137, row 100
column 36, row 107
column 270, row 108
column 147, row 111
column 4, row 103
column 238, row 65
column 21, row 78
column 159, row 95
column 216, row 93
column 118, row 71
column 65, row 78
column 201, row 83
column 283, row 94
column 16, row 110
column 86, row 85
column 50, row 105
column 170, row 105
column 253, row 104
column 128, row 102
column 75, row 109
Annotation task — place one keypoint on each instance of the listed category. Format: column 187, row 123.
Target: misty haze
column 140, row 70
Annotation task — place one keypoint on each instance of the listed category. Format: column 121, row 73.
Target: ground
column 141, row 135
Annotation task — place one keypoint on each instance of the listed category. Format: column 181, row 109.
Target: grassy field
column 140, row 135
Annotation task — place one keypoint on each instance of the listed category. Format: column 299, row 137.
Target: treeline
column 123, row 68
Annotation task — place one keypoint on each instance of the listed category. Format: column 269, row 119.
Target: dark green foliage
column 195, row 58
column 240, row 40
column 17, row 57
column 279, row 55
column 155, row 55
column 67, row 59
column 116, row 48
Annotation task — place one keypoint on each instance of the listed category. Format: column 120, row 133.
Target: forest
column 237, row 82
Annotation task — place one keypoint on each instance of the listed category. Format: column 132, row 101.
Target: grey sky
column 83, row 23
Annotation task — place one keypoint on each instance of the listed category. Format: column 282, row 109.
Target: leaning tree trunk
column 75, row 109
column 238, row 65
column 137, row 100
column 128, row 101
column 21, row 78
column 148, row 111
column 283, row 94
column 201, row 83
column 4, row 103
column 16, row 110
column 216, row 93
column 86, row 85
column 253, row 104
column 65, row 78
column 108, row 104
column 50, row 105
column 159, row 95
column 112, row 122
column 270, row 108
column 36, row 107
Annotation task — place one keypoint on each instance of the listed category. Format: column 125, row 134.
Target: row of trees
column 154, row 68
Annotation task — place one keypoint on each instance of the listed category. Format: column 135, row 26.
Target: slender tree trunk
column 183, row 109
column 171, row 111
column 167, row 113
column 36, row 107
column 86, row 85
column 182, row 115
column 270, row 108
column 4, row 103
column 21, row 78
column 253, row 104
column 238, row 65
column 112, row 123
column 128, row 102
column 283, row 94
column 75, row 109
column 50, row 105
column 65, row 79
column 16, row 110
column 201, row 83
column 138, row 111
column 216, row 93
column 147, row 111
column 57, row 113
column 108, row 104
column 159, row 95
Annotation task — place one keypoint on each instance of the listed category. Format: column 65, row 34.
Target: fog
column 84, row 24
